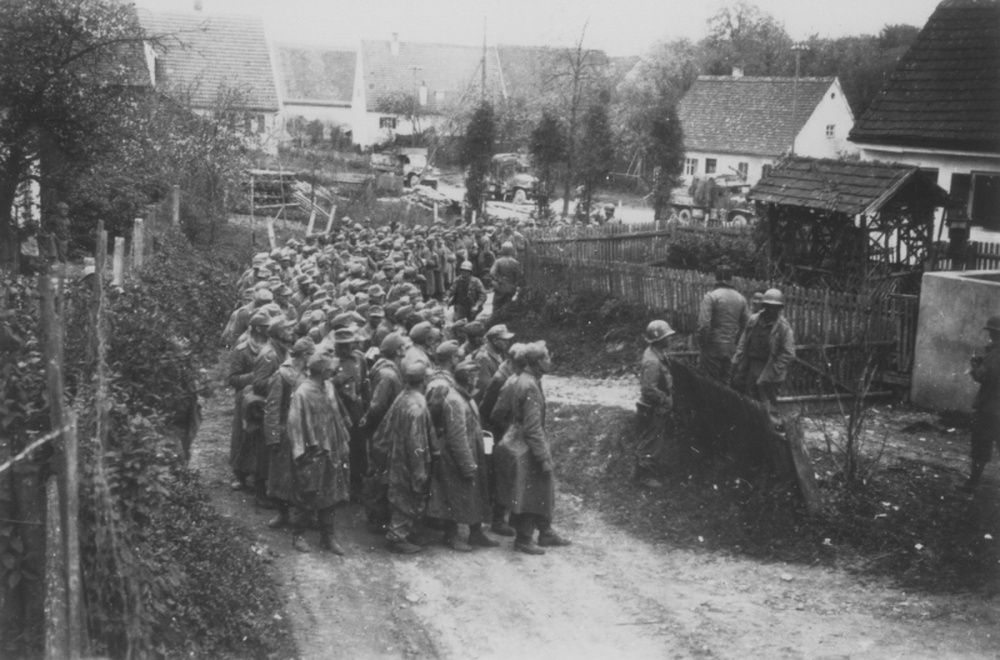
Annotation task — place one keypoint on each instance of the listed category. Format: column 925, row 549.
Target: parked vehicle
column 510, row 179
column 718, row 199
column 409, row 163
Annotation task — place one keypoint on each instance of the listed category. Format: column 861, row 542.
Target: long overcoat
column 242, row 456
column 283, row 384
column 401, row 452
column 986, row 416
column 522, row 485
column 459, row 483
column 316, row 427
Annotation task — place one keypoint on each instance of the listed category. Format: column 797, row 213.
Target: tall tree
column 666, row 154
column 64, row 65
column 477, row 149
column 742, row 35
column 577, row 74
column 597, row 151
column 548, row 148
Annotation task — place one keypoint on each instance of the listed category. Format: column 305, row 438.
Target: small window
column 830, row 128
column 833, row 95
column 261, row 124
column 744, row 170
column 387, row 122
column 765, row 171
column 248, row 123
column 690, row 166
column 710, row 164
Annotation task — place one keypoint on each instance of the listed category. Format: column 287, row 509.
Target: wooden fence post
column 175, row 205
column 63, row 422
column 138, row 238
column 118, row 269
column 329, row 222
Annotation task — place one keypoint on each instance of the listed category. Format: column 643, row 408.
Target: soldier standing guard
column 765, row 350
column 721, row 318
column 656, row 403
column 986, row 407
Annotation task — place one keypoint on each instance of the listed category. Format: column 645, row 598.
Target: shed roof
column 945, row 91
column 315, row 75
column 849, row 187
column 747, row 115
column 202, row 54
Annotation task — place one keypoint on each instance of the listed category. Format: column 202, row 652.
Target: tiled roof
column 202, row 54
column 452, row 71
column 747, row 115
column 315, row 75
column 945, row 92
column 850, row 187
column 528, row 71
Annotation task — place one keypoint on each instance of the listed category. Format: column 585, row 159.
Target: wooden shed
column 847, row 223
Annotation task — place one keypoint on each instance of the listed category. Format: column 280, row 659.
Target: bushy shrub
column 704, row 251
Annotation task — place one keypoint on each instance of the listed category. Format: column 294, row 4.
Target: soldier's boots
column 549, row 539
column 455, row 542
column 478, row 538
column 404, row 547
column 328, row 542
column 528, row 547
column 299, row 542
column 501, row 528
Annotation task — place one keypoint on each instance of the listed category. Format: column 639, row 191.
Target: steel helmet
column 993, row 323
column 657, row 330
column 773, row 297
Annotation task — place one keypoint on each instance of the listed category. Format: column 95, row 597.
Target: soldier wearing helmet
column 656, row 403
column 467, row 294
column 766, row 348
column 986, row 406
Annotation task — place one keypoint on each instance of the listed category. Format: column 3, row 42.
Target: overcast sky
column 620, row 27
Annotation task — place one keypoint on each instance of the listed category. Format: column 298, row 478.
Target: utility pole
column 798, row 48
column 482, row 63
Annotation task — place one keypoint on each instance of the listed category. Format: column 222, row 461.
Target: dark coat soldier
column 721, row 318
column 242, row 458
column 467, row 294
column 986, row 407
column 765, row 351
column 524, row 456
column 387, row 383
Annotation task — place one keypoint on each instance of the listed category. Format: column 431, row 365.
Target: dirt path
column 607, row 596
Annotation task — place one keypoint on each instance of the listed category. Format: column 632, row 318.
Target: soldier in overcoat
column 526, row 485
column 986, row 406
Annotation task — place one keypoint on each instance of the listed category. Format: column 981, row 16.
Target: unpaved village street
column 607, row 596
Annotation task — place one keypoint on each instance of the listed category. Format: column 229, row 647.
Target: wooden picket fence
column 822, row 319
column 978, row 255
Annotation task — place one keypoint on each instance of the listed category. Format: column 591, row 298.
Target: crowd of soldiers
column 367, row 367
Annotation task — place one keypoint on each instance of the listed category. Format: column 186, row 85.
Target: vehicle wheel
column 738, row 220
column 520, row 197
column 684, row 216
column 412, row 180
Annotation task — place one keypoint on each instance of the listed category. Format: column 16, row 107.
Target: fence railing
column 819, row 317
column 978, row 255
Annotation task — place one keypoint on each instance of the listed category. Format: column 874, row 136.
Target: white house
column 742, row 125
column 940, row 110
column 316, row 83
column 201, row 57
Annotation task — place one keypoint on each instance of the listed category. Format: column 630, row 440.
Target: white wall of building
column 727, row 164
column 947, row 165
column 833, row 113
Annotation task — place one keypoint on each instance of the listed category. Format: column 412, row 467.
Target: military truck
column 409, row 163
column 721, row 199
column 510, row 179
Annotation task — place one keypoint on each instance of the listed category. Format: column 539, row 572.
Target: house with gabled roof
column 940, row 110
column 316, row 83
column 430, row 78
column 204, row 58
column 743, row 125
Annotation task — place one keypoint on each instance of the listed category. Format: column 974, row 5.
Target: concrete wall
column 954, row 307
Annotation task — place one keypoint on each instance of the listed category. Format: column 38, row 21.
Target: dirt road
column 607, row 596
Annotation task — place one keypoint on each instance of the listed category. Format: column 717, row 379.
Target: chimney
column 737, row 72
column 197, row 5
column 394, row 46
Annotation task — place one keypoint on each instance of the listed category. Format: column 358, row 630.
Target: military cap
column 414, row 371
column 499, row 331
column 263, row 296
column 474, row 329
column 393, row 342
column 277, row 324
column 260, row 320
column 376, row 311
column 447, row 349
column 344, row 336
column 421, row 332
